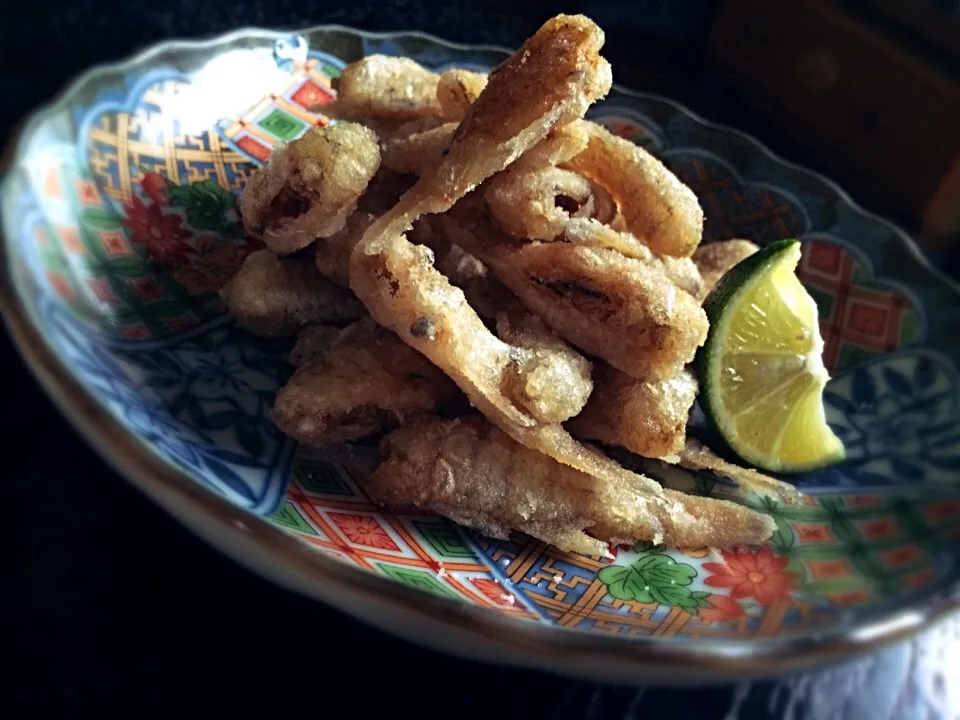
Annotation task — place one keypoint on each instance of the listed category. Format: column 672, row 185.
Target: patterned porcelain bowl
column 119, row 227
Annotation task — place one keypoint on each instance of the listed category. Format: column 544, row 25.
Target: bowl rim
column 521, row 643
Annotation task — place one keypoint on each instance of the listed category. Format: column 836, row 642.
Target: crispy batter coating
column 715, row 259
column 403, row 291
column 308, row 188
column 620, row 309
column 412, row 127
column 368, row 381
column 383, row 191
column 551, row 81
column 378, row 86
column 418, row 153
column 562, row 143
column 551, row 204
column 685, row 274
column 433, row 316
column 333, row 254
column 473, row 473
column 272, row 296
column 624, row 310
column 535, row 200
column 647, row 417
column 562, row 73
column 539, row 204
column 312, row 342
column 587, row 255
column 697, row 456
column 548, row 378
column 656, row 207
column 457, row 90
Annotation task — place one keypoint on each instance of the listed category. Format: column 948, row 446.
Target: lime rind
column 761, row 368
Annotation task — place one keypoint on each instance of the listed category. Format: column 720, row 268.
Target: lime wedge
column 761, row 368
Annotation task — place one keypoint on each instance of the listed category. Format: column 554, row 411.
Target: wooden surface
column 880, row 118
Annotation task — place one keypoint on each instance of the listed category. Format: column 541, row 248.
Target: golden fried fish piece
column 384, row 87
column 550, row 82
column 384, row 190
column 368, row 381
column 308, row 188
column 312, row 342
column 548, row 378
column 275, row 296
column 716, row 259
column 418, row 153
column 457, row 90
column 561, row 144
column 647, row 417
column 534, row 199
column 627, row 311
column 539, row 204
column 403, row 291
column 434, row 317
column 473, row 473
column 551, row 204
column 697, row 456
column 684, row 273
column 333, row 254
column 562, row 73
column 620, row 309
column 656, row 206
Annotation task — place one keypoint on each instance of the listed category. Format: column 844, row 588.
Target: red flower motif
column 364, row 530
column 161, row 234
column 215, row 261
column 155, row 186
column 724, row 609
column 757, row 574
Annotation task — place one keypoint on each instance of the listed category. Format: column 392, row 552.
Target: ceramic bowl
column 120, row 225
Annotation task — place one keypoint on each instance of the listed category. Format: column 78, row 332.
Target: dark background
column 112, row 607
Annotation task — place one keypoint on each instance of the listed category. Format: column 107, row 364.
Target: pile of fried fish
column 498, row 284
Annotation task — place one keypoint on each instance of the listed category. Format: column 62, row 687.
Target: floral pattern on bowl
column 120, row 227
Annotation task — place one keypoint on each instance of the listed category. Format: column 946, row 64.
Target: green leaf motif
column 102, row 219
column 675, row 596
column 624, row 583
column 702, row 598
column 125, row 267
column 206, row 203
column 653, row 578
column 645, row 546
